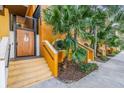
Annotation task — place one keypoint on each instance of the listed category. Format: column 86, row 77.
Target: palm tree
column 94, row 22
column 68, row 20
column 114, row 23
column 100, row 21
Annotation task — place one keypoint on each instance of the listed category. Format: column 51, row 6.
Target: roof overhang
column 1, row 10
column 19, row 10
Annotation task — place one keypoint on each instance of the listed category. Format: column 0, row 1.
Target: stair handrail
column 89, row 51
column 51, row 56
column 8, row 55
column 85, row 46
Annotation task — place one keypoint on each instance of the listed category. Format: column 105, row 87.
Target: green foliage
column 79, row 55
column 114, row 53
column 103, row 58
column 122, row 47
column 70, row 43
column 114, row 41
column 102, row 22
column 67, row 19
column 59, row 44
column 89, row 67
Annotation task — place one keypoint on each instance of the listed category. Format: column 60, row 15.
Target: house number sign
column 26, row 37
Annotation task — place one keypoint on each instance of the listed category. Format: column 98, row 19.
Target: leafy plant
column 79, row 55
column 113, row 53
column 101, row 22
column 59, row 44
column 114, row 41
column 87, row 68
column 67, row 20
column 104, row 58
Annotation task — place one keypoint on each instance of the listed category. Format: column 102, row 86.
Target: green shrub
column 59, row 44
column 87, row 68
column 122, row 47
column 115, row 53
column 104, row 58
column 79, row 55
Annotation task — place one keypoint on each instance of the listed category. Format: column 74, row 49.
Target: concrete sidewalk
column 109, row 75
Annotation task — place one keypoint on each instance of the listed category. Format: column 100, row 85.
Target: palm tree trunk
column 95, row 44
column 75, row 35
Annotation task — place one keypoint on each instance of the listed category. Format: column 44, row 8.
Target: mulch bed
column 71, row 73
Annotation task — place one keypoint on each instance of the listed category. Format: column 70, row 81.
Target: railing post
column 56, row 65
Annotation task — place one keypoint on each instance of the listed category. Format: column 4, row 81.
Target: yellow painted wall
column 4, row 23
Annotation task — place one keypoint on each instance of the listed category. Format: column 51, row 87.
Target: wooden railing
column 90, row 52
column 51, row 56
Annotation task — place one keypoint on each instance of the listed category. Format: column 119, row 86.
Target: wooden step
column 25, row 73
column 31, row 81
column 26, row 61
column 39, row 81
column 22, row 77
column 25, row 65
column 27, row 70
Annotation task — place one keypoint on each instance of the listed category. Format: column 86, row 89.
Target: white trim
column 12, row 50
column 2, row 74
column 4, row 45
column 37, row 46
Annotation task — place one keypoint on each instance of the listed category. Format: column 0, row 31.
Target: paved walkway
column 109, row 75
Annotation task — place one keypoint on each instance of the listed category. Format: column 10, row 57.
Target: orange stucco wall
column 4, row 23
column 47, row 31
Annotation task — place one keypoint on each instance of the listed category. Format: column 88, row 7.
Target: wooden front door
column 25, row 43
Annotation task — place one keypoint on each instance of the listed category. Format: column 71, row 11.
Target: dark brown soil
column 70, row 73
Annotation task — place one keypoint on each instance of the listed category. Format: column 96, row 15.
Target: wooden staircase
column 25, row 73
